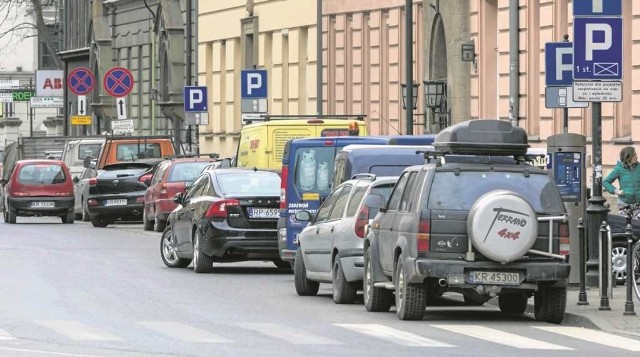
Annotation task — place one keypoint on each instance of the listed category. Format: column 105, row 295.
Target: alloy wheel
column 168, row 248
column 196, row 247
column 400, row 289
column 619, row 263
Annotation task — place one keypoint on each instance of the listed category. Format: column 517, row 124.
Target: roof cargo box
column 482, row 136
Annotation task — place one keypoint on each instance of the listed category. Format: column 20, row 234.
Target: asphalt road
column 75, row 290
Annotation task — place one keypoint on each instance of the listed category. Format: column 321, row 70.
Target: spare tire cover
column 502, row 225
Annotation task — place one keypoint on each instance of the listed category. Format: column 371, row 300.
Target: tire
column 375, row 299
column 168, row 251
column 69, row 218
column 281, row 264
column 411, row 299
column 10, row 216
column 344, row 292
column 619, row 261
column 202, row 263
column 146, row 224
column 550, row 304
column 85, row 212
column 304, row 286
column 99, row 223
column 636, row 269
column 158, row 224
column 513, row 303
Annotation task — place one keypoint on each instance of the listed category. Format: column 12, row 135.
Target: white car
column 331, row 246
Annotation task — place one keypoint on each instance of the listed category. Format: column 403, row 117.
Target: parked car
column 76, row 153
column 171, row 176
column 227, row 215
column 38, row 188
column 480, row 228
column 330, row 247
column 81, row 192
column 117, row 192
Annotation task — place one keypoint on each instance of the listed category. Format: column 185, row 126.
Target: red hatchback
column 39, row 188
column 172, row 176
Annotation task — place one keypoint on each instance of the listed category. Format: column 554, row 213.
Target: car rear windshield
column 458, row 192
column 186, row 171
column 313, row 169
column 41, row 174
column 88, row 150
column 135, row 151
column 250, row 183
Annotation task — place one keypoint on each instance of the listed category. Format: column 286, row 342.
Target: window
column 323, row 212
column 406, row 196
column 88, row 150
column 312, row 169
column 356, row 198
column 159, row 174
column 186, row 171
column 397, row 192
column 385, row 191
column 197, row 186
column 253, row 183
column 338, row 209
column 41, row 174
column 131, row 152
column 46, row 58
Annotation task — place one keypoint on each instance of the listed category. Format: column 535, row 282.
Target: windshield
column 250, row 183
column 187, row 171
column 313, row 169
column 88, row 150
column 458, row 192
column 41, row 174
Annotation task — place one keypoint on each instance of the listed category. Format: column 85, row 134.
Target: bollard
column 628, row 306
column 582, row 295
column 605, row 267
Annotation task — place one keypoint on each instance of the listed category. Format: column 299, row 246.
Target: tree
column 22, row 19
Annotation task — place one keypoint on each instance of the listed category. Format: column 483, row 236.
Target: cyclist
column 627, row 172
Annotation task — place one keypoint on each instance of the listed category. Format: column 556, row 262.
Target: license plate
column 121, row 202
column 43, row 204
column 493, row 277
column 263, row 212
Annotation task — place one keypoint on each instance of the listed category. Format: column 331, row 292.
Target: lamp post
column 414, row 97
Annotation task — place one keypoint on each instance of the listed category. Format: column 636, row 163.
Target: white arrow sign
column 121, row 108
column 82, row 105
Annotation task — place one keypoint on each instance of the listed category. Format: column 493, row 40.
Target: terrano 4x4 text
column 482, row 227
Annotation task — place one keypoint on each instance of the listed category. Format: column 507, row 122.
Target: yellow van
column 262, row 144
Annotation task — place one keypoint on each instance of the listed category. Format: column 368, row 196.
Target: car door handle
column 317, row 230
column 332, row 228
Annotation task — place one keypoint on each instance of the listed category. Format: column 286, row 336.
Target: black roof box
column 482, row 136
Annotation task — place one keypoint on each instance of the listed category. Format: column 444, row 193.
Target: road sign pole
column 565, row 110
column 596, row 211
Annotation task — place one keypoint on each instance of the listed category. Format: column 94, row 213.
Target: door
column 331, row 229
column 316, row 243
column 152, row 193
column 182, row 224
column 387, row 231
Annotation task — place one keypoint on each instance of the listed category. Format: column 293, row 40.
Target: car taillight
column 145, row 177
column 20, row 194
column 283, row 186
column 563, row 233
column 140, row 199
column 64, row 194
column 93, row 181
column 424, row 234
column 92, row 202
column 219, row 209
column 362, row 219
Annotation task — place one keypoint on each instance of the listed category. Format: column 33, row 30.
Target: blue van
column 307, row 177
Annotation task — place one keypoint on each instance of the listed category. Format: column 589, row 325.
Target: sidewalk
column 610, row 321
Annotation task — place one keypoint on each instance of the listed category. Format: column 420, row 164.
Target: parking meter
column 567, row 155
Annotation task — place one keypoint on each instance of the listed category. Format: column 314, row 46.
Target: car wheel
column 375, row 299
column 147, row 225
column 550, row 303
column 99, row 223
column 344, row 292
column 10, row 215
column 202, row 263
column 168, row 251
column 411, row 299
column 513, row 303
column 281, row 264
column 619, row 261
column 158, row 224
column 85, row 212
column 304, row 286
column 69, row 217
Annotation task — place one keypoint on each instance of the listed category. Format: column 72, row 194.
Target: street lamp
column 434, row 93
column 415, row 95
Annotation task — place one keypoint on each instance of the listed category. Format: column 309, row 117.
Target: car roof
column 377, row 181
column 237, row 170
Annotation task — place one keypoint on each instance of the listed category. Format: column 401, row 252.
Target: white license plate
column 121, row 202
column 43, row 204
column 263, row 212
column 493, row 277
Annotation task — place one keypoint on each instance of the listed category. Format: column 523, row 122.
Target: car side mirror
column 178, row 198
column 303, row 216
column 76, row 179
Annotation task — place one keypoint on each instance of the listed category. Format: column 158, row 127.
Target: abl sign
column 49, row 83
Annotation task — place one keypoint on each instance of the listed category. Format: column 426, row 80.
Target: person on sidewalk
column 627, row 173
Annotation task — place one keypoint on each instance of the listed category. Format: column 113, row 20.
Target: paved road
column 75, row 290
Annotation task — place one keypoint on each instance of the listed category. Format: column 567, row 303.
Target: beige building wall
column 541, row 22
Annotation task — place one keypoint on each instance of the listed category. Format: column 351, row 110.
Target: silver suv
column 483, row 226
column 330, row 247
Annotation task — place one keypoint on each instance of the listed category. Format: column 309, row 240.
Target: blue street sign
column 253, row 83
column 195, row 99
column 558, row 63
column 597, row 49
column 597, row 7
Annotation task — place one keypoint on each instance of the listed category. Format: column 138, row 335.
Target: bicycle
column 630, row 212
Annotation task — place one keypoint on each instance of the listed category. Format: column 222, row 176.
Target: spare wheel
column 502, row 225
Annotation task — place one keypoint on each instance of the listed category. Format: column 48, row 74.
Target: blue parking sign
column 195, row 99
column 558, row 63
column 597, row 7
column 253, row 83
column 597, row 50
